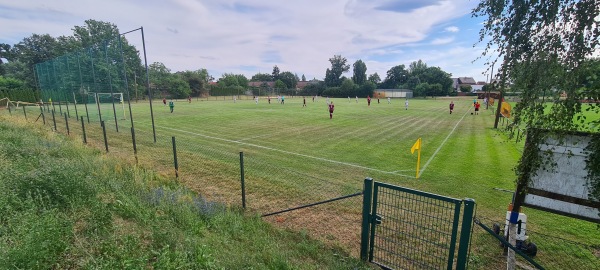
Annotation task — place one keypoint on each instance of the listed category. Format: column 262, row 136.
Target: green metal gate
column 409, row 229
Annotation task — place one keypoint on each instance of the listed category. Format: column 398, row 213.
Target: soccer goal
column 102, row 100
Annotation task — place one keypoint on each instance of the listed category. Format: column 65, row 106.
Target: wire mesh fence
column 550, row 252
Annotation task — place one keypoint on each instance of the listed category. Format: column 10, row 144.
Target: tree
column 338, row 66
column 197, row 81
column 435, row 75
column 30, row 51
column 303, row 78
column 93, row 33
column 366, row 89
column 374, row 78
column 280, row 85
column 289, row 79
column 360, row 72
column 348, row 88
column 536, row 38
column 417, row 67
column 396, row 76
column 275, row 73
column 261, row 77
column 466, row 88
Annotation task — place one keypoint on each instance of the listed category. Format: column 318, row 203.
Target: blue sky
column 227, row 36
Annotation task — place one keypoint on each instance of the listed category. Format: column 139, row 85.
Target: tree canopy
column 544, row 47
column 338, row 66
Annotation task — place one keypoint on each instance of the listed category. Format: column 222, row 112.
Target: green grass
column 296, row 155
column 63, row 206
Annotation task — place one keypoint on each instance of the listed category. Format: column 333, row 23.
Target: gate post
column 465, row 234
column 366, row 220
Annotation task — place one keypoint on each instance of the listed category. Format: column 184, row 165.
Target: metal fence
column 410, row 229
column 539, row 251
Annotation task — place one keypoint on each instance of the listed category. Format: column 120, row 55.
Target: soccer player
column 406, row 104
column 477, row 105
column 171, row 105
column 190, row 99
column 331, row 107
column 256, row 100
column 389, row 101
column 282, row 100
column 348, row 99
column 234, row 99
column 356, row 99
column 327, row 101
column 451, row 106
column 304, row 102
column 164, row 101
column 269, row 99
column 378, row 100
column 369, row 101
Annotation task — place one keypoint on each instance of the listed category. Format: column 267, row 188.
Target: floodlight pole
column 148, row 84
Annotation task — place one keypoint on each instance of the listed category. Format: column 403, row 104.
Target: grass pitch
column 295, row 155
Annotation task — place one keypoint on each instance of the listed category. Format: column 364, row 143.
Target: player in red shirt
column 369, row 101
column 331, row 107
column 451, row 106
column 165, row 101
column 477, row 105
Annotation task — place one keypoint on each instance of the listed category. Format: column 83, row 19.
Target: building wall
column 392, row 93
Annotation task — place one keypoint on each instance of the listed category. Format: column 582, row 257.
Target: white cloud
column 452, row 29
column 442, row 41
column 233, row 36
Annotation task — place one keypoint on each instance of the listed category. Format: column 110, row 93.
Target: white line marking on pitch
column 442, row 144
column 287, row 152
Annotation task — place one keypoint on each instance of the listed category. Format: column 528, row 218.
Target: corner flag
column 417, row 146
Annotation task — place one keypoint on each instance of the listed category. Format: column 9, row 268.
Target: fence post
column 134, row 145
column 243, row 180
column 175, row 158
column 366, row 213
column 54, row 120
column 25, row 112
column 67, row 123
column 43, row 116
column 83, row 129
column 105, row 139
column 465, row 234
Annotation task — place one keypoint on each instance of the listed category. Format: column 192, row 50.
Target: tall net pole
column 87, row 114
column 125, row 79
column 148, row 84
column 95, row 87
column 110, row 85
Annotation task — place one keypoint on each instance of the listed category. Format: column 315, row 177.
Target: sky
column 247, row 37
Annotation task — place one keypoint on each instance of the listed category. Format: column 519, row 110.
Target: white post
column 512, row 239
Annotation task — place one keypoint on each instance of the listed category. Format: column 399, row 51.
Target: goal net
column 104, row 104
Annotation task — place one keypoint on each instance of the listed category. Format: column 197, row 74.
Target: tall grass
column 63, row 206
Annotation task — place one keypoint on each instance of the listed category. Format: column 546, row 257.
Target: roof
column 466, row 80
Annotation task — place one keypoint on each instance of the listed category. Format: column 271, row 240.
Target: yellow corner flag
column 417, row 146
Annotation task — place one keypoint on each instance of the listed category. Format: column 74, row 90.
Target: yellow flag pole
column 419, row 158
